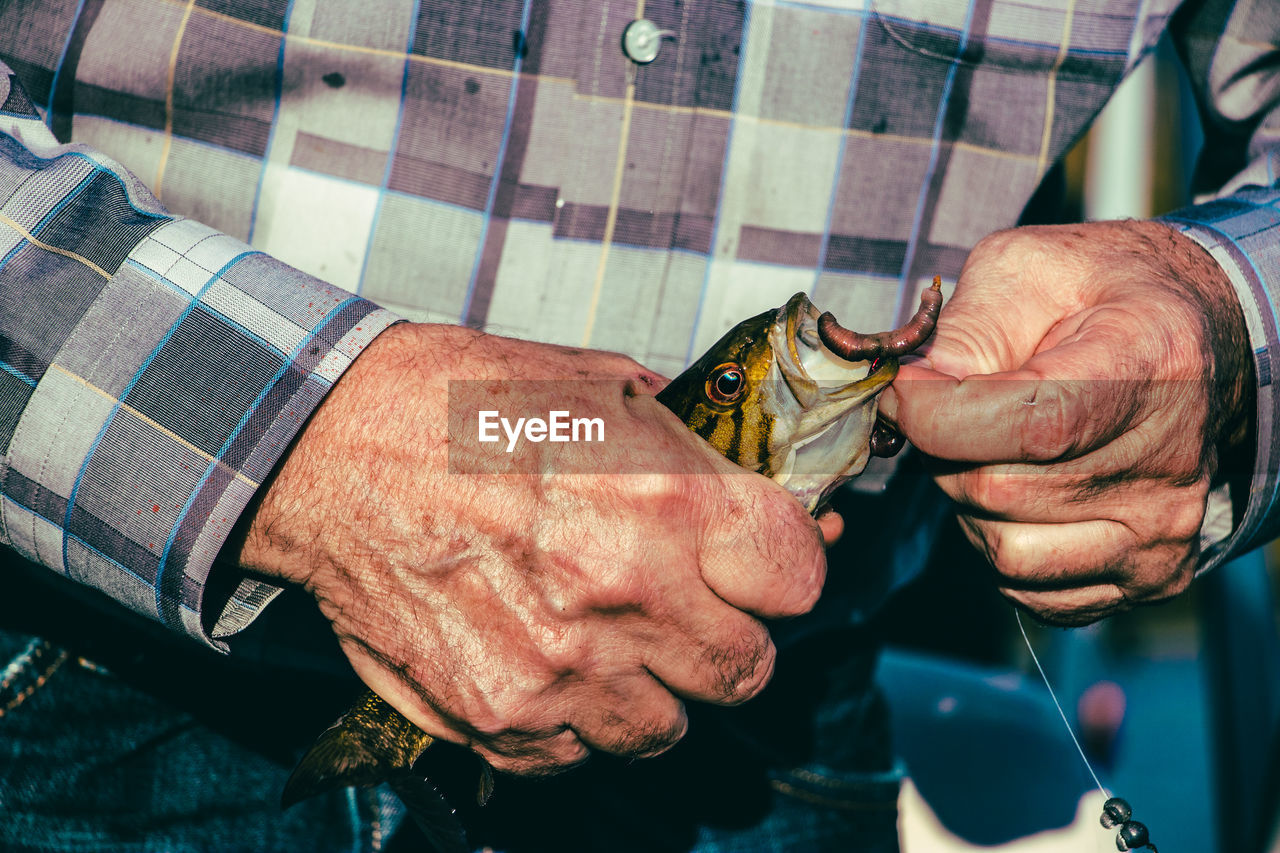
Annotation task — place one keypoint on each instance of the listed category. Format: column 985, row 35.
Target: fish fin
column 431, row 812
column 484, row 790
column 336, row 760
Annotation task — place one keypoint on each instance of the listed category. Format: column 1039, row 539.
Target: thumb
column 1055, row 406
column 984, row 329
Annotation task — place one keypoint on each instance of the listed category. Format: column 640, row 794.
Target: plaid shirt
column 506, row 165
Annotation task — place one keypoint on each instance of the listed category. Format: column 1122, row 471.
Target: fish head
column 772, row 397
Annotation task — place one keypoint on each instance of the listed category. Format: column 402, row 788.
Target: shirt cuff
column 169, row 404
column 1242, row 233
column 152, row 373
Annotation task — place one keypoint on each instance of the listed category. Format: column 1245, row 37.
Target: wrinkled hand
column 532, row 615
column 1076, row 401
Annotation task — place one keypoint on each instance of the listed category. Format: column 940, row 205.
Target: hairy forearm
column 289, row 516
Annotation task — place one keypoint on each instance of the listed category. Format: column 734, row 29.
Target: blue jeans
column 91, row 763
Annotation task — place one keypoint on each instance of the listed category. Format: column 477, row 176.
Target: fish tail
column 338, row 759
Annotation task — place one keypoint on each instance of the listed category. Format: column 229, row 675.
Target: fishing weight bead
column 1115, row 812
column 1132, row 835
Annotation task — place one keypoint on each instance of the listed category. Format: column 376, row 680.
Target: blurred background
column 1175, row 704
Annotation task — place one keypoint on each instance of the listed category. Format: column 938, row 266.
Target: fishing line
column 1058, row 705
column 1116, row 812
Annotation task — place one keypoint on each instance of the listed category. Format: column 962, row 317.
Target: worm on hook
column 854, row 346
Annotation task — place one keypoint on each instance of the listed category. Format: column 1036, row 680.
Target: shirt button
column 642, row 40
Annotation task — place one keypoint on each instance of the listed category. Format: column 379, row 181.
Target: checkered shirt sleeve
column 152, row 371
column 1225, row 47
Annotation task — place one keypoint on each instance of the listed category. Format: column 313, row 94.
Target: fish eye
column 726, row 383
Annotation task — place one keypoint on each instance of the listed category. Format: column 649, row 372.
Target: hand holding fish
column 1078, row 401
column 788, row 394
column 532, row 617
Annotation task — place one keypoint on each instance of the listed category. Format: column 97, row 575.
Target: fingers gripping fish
column 788, row 393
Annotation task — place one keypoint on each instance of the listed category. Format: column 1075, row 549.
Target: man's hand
column 1082, row 386
column 532, row 615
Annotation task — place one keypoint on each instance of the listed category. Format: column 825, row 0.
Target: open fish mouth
column 823, row 403
column 825, row 385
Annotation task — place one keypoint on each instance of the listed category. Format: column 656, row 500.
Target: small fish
column 788, row 393
column 791, row 395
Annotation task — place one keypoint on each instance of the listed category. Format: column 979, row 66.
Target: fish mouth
column 819, row 378
column 825, row 405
